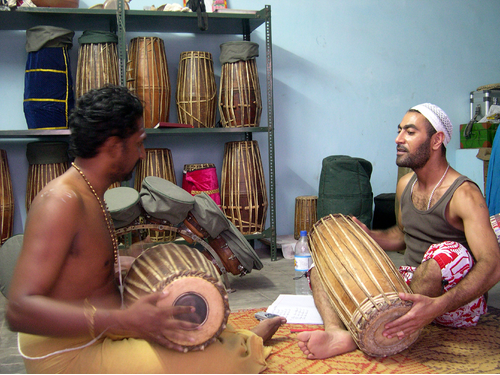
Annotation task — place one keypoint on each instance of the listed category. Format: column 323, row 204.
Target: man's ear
column 438, row 140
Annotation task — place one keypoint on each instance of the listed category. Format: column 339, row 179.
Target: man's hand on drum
column 423, row 312
column 151, row 322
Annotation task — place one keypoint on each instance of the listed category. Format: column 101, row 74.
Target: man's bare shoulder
column 62, row 192
column 468, row 201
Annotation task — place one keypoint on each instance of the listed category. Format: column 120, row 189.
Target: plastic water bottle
column 302, row 263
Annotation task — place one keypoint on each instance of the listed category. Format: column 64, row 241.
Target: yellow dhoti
column 235, row 351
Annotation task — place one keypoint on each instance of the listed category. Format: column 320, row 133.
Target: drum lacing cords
column 198, row 6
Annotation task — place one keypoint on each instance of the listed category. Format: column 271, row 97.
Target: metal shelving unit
column 122, row 21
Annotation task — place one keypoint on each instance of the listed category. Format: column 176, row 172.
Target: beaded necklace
column 435, row 187
column 105, row 212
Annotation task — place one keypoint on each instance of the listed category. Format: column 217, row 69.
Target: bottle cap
column 303, row 233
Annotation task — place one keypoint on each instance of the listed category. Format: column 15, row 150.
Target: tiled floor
column 257, row 289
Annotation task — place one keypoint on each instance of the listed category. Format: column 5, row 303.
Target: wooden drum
column 47, row 160
column 362, row 283
column 147, row 77
column 97, row 61
column 190, row 280
column 158, row 162
column 305, row 214
column 6, row 199
column 201, row 178
column 240, row 102
column 243, row 195
column 196, row 91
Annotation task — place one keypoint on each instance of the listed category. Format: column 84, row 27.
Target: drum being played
column 495, row 224
column 305, row 214
column 196, row 91
column 147, row 77
column 6, row 199
column 190, row 280
column 97, row 61
column 361, row 282
column 201, row 178
column 240, row 102
column 159, row 163
column 243, row 195
column 47, row 160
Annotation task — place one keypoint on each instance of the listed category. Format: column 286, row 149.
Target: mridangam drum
column 196, row 92
column 240, row 102
column 495, row 223
column 243, row 195
column 47, row 160
column 361, row 282
column 158, row 162
column 305, row 214
column 6, row 199
column 97, row 61
column 201, row 178
column 190, row 280
column 147, row 77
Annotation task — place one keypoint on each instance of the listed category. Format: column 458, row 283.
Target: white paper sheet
column 297, row 309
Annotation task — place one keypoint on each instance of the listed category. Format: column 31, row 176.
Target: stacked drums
column 6, row 199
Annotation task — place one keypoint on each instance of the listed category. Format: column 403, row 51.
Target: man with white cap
column 452, row 256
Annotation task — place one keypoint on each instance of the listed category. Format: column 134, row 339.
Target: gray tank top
column 424, row 228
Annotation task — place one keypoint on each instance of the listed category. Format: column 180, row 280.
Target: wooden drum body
column 6, row 199
column 47, row 160
column 196, row 90
column 240, row 102
column 190, row 280
column 244, row 197
column 362, row 283
column 305, row 214
column 159, row 163
column 147, row 77
column 97, row 61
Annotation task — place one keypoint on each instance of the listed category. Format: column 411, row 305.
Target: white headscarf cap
column 438, row 119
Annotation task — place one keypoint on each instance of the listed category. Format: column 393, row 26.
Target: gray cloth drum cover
column 9, row 252
column 123, row 205
column 165, row 200
column 241, row 248
column 209, row 215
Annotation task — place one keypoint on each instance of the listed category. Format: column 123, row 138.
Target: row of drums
column 242, row 197
column 147, row 76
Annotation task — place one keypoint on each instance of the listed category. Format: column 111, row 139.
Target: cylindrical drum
column 361, row 282
column 240, row 102
column 190, row 280
column 158, row 162
column 196, row 92
column 48, row 83
column 7, row 199
column 244, row 196
column 147, row 77
column 97, row 61
column 305, row 214
column 495, row 223
column 201, row 178
column 47, row 160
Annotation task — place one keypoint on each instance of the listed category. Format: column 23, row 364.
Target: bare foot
column 325, row 344
column 268, row 327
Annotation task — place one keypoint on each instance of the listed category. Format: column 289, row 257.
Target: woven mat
column 438, row 350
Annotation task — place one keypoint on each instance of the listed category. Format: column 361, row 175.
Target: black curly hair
column 100, row 114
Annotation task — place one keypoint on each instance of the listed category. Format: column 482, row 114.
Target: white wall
column 345, row 72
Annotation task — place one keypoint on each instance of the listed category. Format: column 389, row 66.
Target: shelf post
column 122, row 46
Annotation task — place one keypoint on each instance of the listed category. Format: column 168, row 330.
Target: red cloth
column 202, row 181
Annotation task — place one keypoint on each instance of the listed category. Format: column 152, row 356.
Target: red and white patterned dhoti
column 455, row 262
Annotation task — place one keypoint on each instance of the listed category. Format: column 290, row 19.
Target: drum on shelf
column 495, row 223
column 361, row 282
column 97, row 61
column 240, row 102
column 47, row 160
column 190, row 280
column 158, row 162
column 196, row 92
column 7, row 199
column 243, row 195
column 147, row 77
column 305, row 214
column 201, row 178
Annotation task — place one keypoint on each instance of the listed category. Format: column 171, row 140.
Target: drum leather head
column 123, row 204
column 165, row 200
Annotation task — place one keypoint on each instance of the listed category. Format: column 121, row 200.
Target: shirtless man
column 443, row 222
column 64, row 294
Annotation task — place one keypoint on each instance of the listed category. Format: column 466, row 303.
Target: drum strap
column 198, row 6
